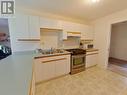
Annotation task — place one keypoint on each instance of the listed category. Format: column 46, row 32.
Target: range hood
column 73, row 34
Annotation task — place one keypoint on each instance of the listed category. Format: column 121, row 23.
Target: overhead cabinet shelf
column 50, row 30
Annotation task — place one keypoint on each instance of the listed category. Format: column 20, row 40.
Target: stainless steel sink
column 51, row 51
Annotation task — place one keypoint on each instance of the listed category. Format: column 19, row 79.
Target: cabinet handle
column 54, row 60
column 74, row 32
column 92, row 54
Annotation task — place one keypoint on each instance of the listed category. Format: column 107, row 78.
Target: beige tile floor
column 118, row 69
column 93, row 81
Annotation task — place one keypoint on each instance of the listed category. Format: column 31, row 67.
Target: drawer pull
column 92, row 54
column 54, row 60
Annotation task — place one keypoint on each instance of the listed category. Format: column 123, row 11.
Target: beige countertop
column 39, row 55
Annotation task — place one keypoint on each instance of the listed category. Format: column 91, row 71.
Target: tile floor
column 118, row 69
column 93, row 81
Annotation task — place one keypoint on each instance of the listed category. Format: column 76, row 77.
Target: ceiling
column 77, row 9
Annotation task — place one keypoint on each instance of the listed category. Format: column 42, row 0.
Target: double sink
column 50, row 51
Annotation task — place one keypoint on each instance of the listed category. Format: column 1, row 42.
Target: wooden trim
column 74, row 32
column 65, row 39
column 112, row 59
column 33, row 76
column 28, row 39
column 51, row 55
column 91, row 54
column 30, row 88
column 87, row 40
column 50, row 30
column 54, row 60
column 91, row 50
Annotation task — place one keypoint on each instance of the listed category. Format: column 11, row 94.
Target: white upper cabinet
column 50, row 23
column 22, row 29
column 70, row 27
column 34, row 27
column 87, row 33
column 27, row 27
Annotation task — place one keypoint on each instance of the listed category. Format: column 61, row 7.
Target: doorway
column 118, row 48
column 5, row 45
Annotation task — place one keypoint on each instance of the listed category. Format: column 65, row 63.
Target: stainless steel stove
column 78, row 61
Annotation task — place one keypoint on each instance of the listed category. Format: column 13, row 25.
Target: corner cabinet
column 51, row 67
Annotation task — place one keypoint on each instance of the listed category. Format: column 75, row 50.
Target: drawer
column 53, row 58
column 91, row 53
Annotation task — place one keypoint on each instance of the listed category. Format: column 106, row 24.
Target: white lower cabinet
column 60, row 67
column 44, row 71
column 91, row 59
column 51, row 67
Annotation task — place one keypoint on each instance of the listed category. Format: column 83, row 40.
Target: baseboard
column 112, row 59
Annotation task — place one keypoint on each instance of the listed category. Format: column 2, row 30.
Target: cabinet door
column 34, row 28
column 22, row 26
column 44, row 71
column 64, row 34
column 91, row 60
column 70, row 27
column 50, row 23
column 60, row 67
column 89, row 33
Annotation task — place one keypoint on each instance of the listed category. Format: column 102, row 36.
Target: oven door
column 78, row 61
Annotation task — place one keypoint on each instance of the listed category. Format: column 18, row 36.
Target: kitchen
column 46, row 49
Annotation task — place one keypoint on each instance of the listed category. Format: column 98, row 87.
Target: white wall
column 102, row 28
column 119, row 41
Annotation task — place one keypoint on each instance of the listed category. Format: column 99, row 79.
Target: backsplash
column 72, row 42
column 52, row 40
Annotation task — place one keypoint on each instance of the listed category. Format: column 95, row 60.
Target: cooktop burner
column 76, row 51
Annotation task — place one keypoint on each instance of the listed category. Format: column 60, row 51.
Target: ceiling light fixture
column 95, row 1
column 91, row 1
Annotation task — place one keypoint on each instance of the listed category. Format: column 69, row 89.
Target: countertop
column 16, row 73
column 50, row 55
